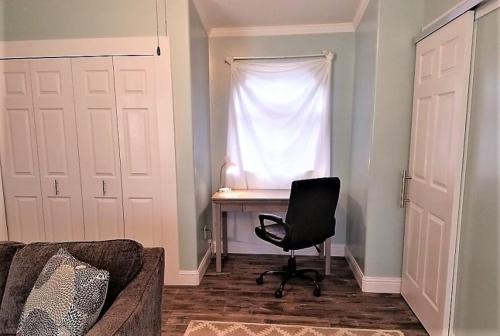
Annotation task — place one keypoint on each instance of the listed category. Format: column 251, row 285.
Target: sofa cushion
column 121, row 258
column 7, row 251
column 66, row 299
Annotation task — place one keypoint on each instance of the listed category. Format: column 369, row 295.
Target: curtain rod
column 229, row 60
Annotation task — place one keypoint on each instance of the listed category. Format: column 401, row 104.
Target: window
column 279, row 122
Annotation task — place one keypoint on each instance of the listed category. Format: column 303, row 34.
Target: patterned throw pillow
column 66, row 300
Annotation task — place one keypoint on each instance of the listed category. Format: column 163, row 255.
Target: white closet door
column 97, row 123
column 139, row 152
column 57, row 148
column 19, row 156
column 436, row 157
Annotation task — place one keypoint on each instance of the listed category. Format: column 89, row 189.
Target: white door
column 436, row 154
column 97, row 124
column 57, row 148
column 18, row 150
column 135, row 86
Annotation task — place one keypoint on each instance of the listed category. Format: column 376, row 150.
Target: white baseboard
column 356, row 270
column 370, row 284
column 337, row 250
column 193, row 278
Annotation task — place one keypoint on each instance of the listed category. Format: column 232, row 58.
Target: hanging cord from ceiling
column 158, row 50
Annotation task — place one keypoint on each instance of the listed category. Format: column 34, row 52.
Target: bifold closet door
column 54, row 111
column 97, row 124
column 21, row 178
column 135, row 86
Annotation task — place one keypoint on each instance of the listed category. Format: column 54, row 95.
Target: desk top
column 252, row 195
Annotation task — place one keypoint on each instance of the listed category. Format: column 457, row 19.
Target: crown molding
column 282, row 30
column 360, row 12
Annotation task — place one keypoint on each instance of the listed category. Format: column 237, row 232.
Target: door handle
column 56, row 187
column 103, row 188
column 402, row 198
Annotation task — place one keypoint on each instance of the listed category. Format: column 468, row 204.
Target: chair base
column 290, row 272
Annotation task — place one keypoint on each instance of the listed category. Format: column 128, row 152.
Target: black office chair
column 310, row 220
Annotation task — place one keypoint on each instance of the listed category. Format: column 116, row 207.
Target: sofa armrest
column 137, row 309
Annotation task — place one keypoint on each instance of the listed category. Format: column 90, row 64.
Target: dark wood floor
column 234, row 296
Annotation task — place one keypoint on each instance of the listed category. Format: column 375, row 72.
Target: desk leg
column 224, row 232
column 328, row 251
column 216, row 216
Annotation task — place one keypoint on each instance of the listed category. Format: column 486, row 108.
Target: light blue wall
column 381, row 132
column 59, row 19
column 399, row 22
column 189, row 54
column 477, row 307
column 435, row 8
column 342, row 44
column 361, row 134
column 200, row 104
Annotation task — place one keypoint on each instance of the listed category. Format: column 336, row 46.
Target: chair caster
column 317, row 292
column 278, row 294
column 259, row 281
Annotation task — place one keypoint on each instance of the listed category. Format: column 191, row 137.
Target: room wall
column 361, row 134
column 435, row 8
column 381, row 131
column 179, row 33
column 59, row 19
column 200, row 105
column 190, row 91
column 241, row 235
column 477, row 305
column 399, row 22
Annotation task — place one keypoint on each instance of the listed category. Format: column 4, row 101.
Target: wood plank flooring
column 234, row 296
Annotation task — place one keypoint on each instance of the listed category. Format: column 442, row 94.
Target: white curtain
column 279, row 122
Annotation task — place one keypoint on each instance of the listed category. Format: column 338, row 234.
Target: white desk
column 249, row 201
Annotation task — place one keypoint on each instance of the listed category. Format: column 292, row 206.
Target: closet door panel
column 57, row 148
column 18, row 152
column 59, row 215
column 139, row 148
column 99, row 147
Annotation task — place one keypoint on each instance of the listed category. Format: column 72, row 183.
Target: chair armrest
column 270, row 217
column 137, row 310
column 275, row 219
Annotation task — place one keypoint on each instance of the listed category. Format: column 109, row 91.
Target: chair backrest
column 311, row 211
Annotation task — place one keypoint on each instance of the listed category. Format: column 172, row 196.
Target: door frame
column 84, row 47
column 128, row 46
column 481, row 11
column 4, row 234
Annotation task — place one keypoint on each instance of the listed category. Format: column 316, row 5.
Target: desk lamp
column 229, row 168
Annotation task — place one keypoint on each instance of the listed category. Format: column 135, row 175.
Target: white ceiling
column 221, row 16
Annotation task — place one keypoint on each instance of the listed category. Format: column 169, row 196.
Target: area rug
column 210, row 328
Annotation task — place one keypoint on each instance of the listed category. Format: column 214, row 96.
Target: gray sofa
column 133, row 302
